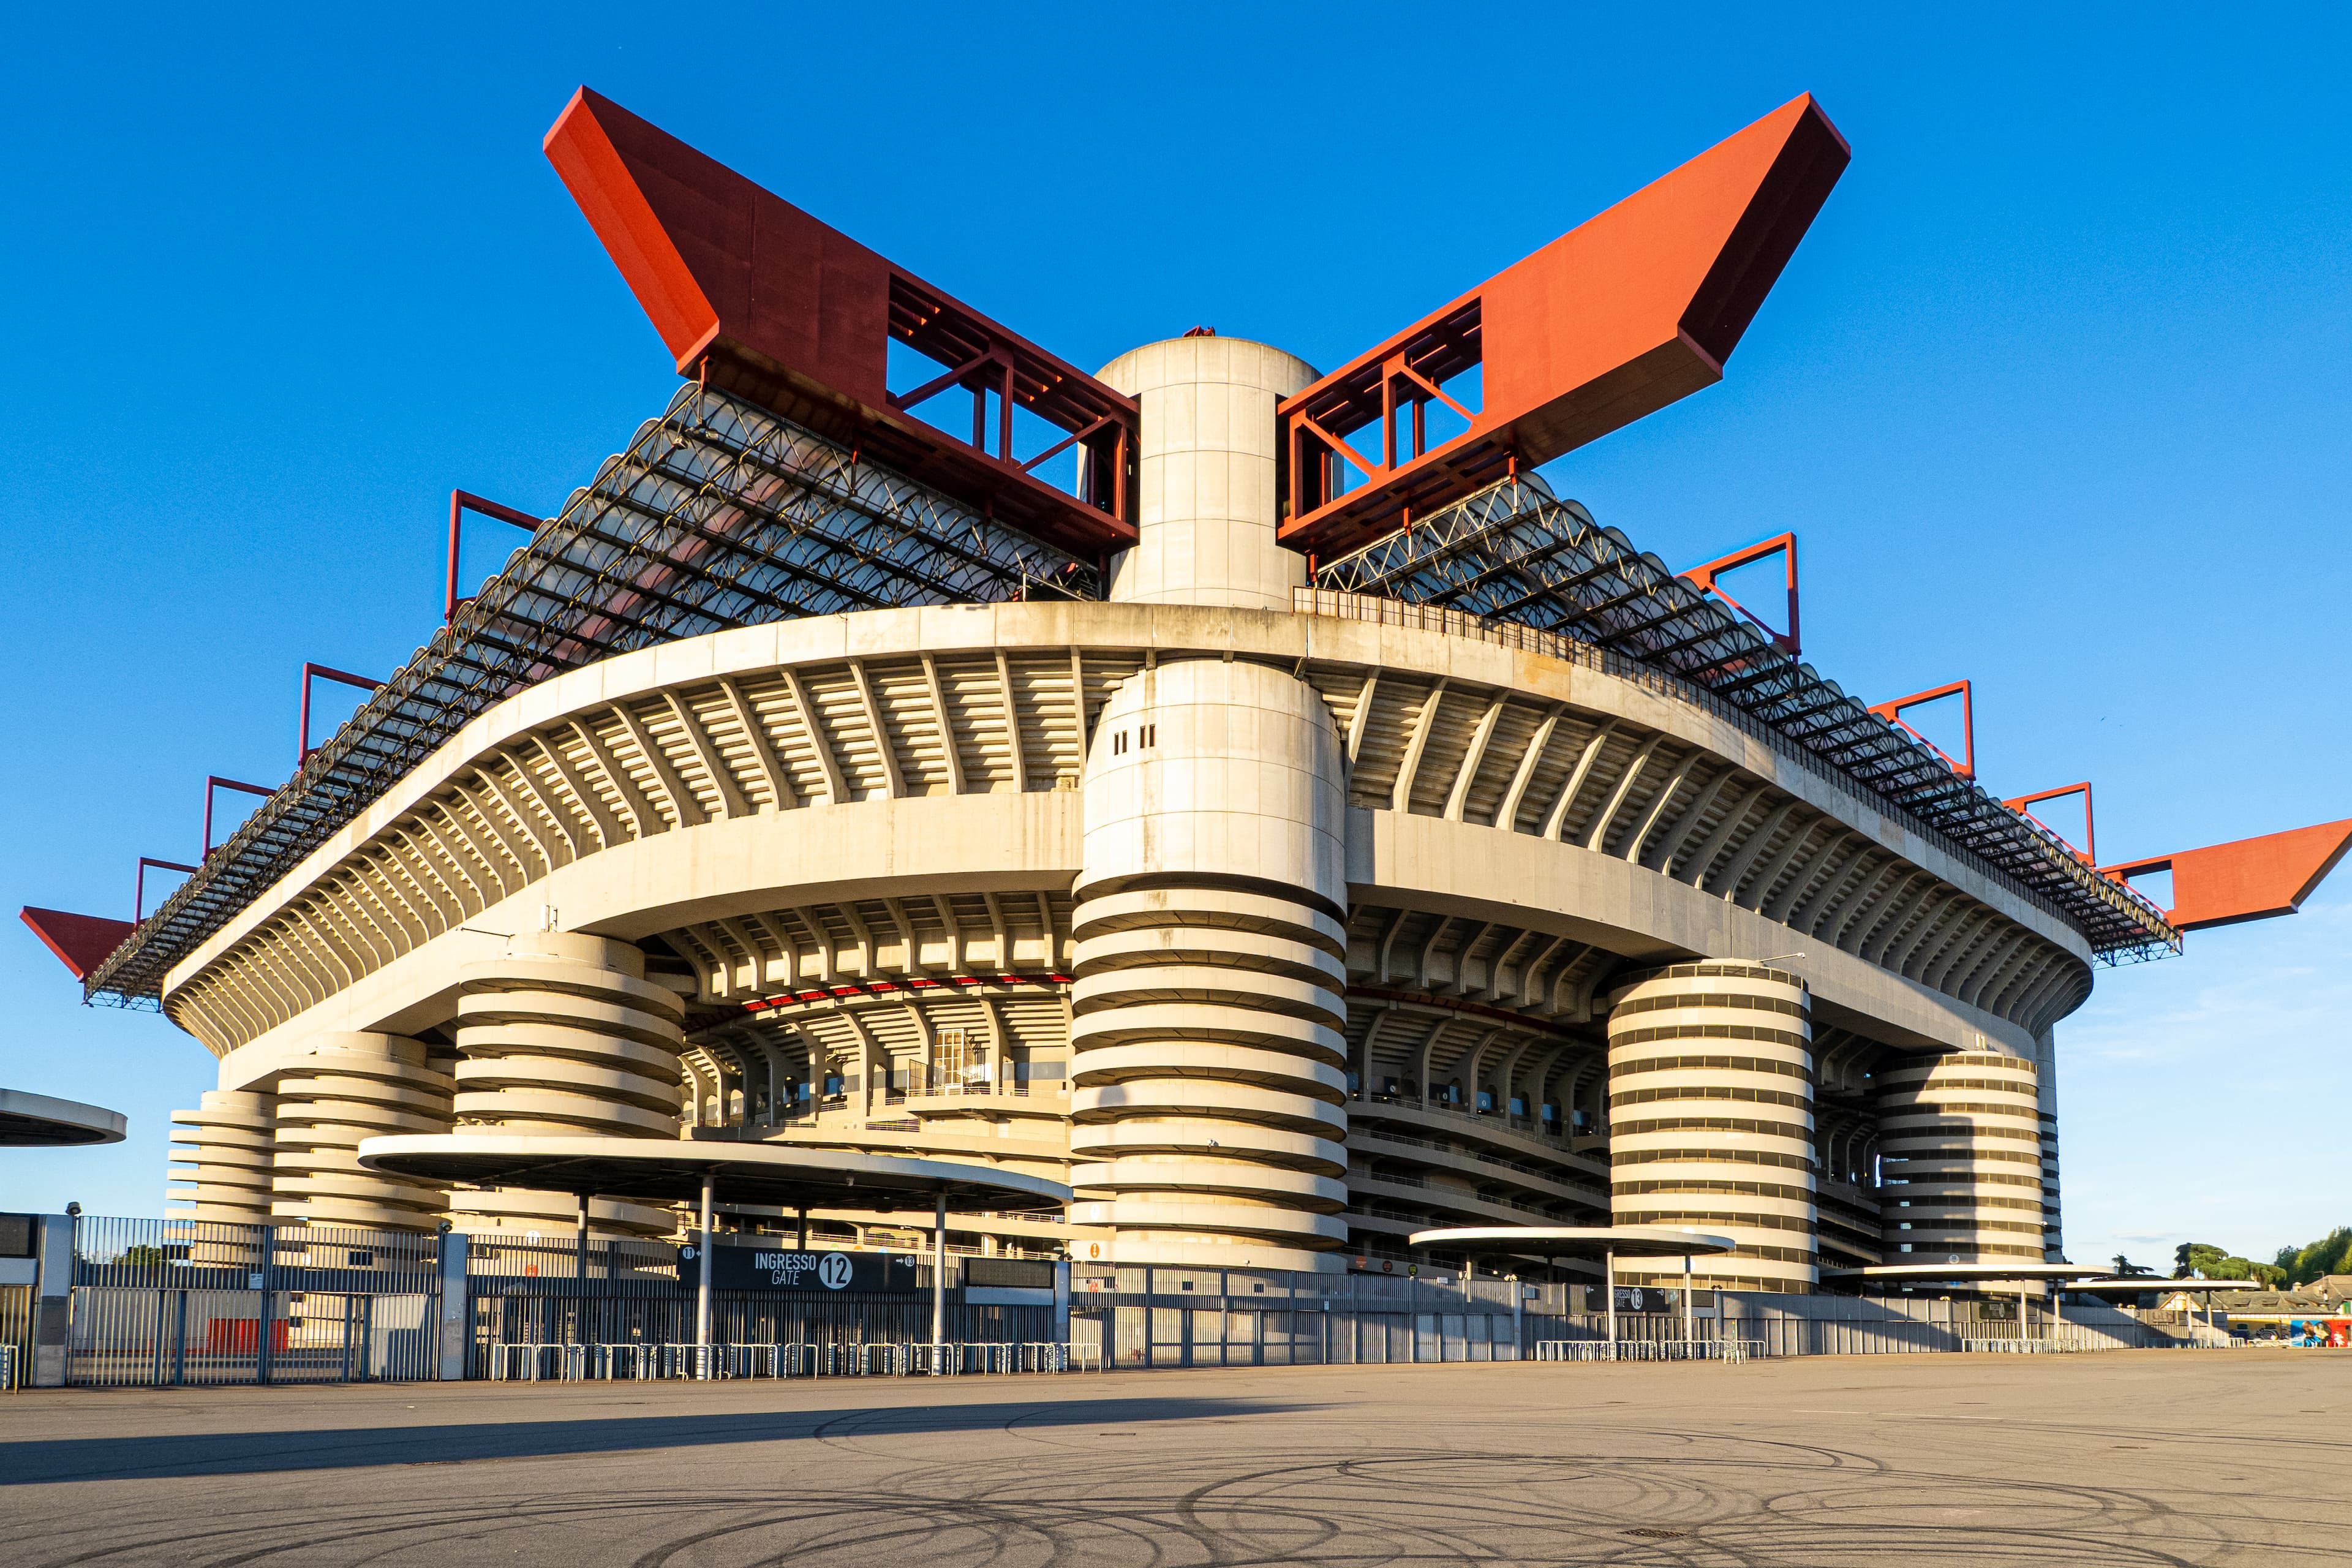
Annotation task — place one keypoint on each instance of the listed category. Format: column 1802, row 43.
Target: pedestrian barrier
column 8, row 1368
column 1649, row 1349
column 622, row 1363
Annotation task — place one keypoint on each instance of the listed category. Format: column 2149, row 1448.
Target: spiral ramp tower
column 227, row 1174
column 564, row 1034
column 1963, row 1143
column 1208, row 1106
column 1711, row 1115
column 355, row 1085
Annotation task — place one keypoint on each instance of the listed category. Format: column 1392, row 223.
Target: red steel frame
column 2247, row 879
column 757, row 298
column 1703, row 578
column 2089, row 853
column 311, row 672
column 138, row 884
column 214, row 783
column 81, row 942
column 1613, row 321
column 1893, row 711
column 460, row 503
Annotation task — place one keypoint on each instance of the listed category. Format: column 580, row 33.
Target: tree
column 2125, row 1268
column 2332, row 1253
column 2202, row 1257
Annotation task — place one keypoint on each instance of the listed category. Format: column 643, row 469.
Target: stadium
column 1292, row 828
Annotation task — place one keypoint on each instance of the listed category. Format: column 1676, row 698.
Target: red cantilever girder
column 2089, row 852
column 1615, row 320
column 81, row 942
column 1965, row 764
column 1703, row 578
column 774, row 306
column 2247, row 879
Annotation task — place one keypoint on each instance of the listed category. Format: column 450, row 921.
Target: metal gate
column 187, row 1301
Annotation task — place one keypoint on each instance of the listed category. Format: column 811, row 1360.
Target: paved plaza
column 2127, row 1458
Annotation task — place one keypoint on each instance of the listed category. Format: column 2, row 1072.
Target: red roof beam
column 2247, row 879
column 772, row 305
column 1703, row 578
column 139, row 883
column 1616, row 318
column 213, row 785
column 1965, row 765
column 316, row 672
column 460, row 503
column 2089, row 853
column 81, row 942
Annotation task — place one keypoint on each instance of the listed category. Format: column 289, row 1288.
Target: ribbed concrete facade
column 229, row 1162
column 356, row 1086
column 1962, row 1146
column 1209, row 1063
column 1278, row 924
column 1711, row 1115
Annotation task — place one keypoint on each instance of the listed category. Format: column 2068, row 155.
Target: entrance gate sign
column 782, row 1268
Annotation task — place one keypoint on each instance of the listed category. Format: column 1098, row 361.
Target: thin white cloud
column 2203, row 1098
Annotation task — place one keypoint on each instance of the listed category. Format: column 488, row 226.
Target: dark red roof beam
column 1616, row 318
column 776, row 307
column 81, row 942
column 1965, row 764
column 2245, row 880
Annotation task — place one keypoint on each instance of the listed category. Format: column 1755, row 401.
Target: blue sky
column 2052, row 395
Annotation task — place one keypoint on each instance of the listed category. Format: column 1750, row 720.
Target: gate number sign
column 764, row 1268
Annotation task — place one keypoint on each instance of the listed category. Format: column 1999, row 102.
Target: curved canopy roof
column 1578, row 1241
column 38, row 1122
column 663, row 1170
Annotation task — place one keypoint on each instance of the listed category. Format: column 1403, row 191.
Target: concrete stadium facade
column 1278, row 922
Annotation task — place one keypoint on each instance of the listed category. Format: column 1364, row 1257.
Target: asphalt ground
column 2130, row 1458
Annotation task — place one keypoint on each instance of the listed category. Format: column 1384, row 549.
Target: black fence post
column 263, row 1340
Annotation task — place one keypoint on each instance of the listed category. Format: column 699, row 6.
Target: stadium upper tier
column 720, row 514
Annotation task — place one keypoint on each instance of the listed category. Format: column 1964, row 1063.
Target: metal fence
column 186, row 1302
column 174, row 1301
column 15, row 1332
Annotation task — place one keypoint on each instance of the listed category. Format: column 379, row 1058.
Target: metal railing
column 1649, row 1349
column 634, row 1361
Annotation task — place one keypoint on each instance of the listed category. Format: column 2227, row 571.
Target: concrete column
column 1690, row 1316
column 1207, row 506
column 939, row 1276
column 457, row 1308
column 1208, row 1062
column 702, row 1285
column 2052, row 1209
column 355, row 1085
column 231, row 1139
column 52, row 1299
column 1961, row 1139
column 1608, row 1296
column 564, row 1036
column 1664, row 1028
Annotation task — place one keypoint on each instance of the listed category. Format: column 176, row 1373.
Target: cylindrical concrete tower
column 1207, row 505
column 354, row 1086
column 1962, row 1149
column 563, row 1036
column 2054, row 1219
column 1711, row 1114
column 1209, row 1062
column 231, row 1140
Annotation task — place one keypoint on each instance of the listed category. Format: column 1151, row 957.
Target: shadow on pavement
column 261, row 1453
